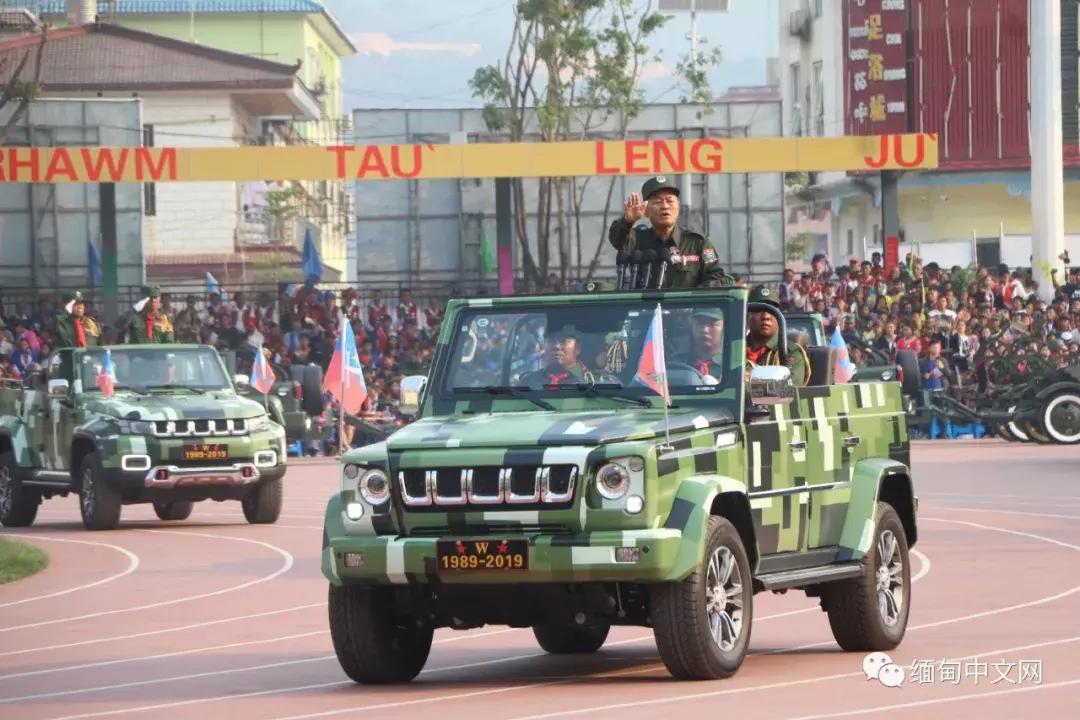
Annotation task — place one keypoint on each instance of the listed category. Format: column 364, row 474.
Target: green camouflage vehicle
column 565, row 508
column 175, row 432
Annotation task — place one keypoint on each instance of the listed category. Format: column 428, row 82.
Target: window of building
column 819, row 100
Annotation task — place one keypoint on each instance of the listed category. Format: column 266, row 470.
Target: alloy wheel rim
column 889, row 579
column 88, row 493
column 724, row 599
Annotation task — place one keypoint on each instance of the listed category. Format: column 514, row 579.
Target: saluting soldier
column 148, row 324
column 763, row 343
column 74, row 328
column 694, row 261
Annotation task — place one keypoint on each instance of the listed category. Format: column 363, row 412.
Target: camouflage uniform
column 557, row 375
column 65, row 332
column 769, row 354
column 701, row 266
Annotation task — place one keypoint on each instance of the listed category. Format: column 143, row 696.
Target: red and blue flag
column 106, row 379
column 345, row 376
column 652, row 367
column 262, row 377
column 844, row 369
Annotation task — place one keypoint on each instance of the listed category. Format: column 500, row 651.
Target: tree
column 18, row 89
column 570, row 66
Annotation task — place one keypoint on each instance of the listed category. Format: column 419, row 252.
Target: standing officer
column 763, row 344
column 148, row 324
column 694, row 260
column 74, row 328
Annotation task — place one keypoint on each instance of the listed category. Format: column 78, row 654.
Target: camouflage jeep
column 175, row 432
column 539, row 488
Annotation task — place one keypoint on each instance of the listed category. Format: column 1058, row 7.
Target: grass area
column 17, row 560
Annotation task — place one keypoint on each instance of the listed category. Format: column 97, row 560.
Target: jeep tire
column 374, row 645
column 870, row 612
column 18, row 505
column 99, row 504
column 311, row 390
column 176, row 510
column 262, row 505
column 702, row 624
column 569, row 639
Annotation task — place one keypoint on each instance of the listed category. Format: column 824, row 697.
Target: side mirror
column 771, row 385
column 412, row 394
column 242, row 381
column 59, row 388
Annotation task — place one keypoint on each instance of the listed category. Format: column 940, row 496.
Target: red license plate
column 481, row 555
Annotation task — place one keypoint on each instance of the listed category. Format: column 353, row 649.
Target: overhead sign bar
column 51, row 165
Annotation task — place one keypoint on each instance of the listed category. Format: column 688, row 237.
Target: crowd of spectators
column 958, row 320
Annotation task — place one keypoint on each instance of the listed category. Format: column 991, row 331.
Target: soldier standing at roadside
column 694, row 261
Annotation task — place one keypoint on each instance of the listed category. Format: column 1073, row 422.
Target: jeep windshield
column 596, row 350
column 157, row 369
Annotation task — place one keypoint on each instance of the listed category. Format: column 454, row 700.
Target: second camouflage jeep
column 564, row 507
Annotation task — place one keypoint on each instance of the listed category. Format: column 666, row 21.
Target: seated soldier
column 706, row 344
column 762, row 341
column 562, row 348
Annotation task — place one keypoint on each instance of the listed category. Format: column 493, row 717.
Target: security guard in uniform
column 148, row 325
column 694, row 260
column 73, row 328
column 762, row 340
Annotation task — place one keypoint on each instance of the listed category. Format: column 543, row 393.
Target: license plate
column 481, row 555
column 205, row 452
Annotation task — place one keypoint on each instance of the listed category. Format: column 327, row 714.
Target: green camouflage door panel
column 773, row 467
column 35, row 415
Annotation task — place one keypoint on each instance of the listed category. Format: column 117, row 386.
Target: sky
column 422, row 53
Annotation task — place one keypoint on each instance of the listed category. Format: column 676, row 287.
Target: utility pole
column 1047, row 192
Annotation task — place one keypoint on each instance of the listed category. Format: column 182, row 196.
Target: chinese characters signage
column 876, row 69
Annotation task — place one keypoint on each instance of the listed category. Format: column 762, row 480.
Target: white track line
column 133, row 563
column 1010, row 512
column 997, row 495
column 216, row 673
column 285, row 567
column 163, row 631
column 738, row 691
column 940, row 701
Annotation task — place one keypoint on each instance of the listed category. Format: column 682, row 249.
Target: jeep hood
column 180, row 406
column 550, row 428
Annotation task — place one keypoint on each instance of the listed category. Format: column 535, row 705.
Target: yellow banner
column 490, row 160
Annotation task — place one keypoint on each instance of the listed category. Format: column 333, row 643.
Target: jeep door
column 61, row 417
column 777, row 465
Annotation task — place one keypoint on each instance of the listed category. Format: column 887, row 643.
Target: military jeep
column 174, row 432
column 569, row 501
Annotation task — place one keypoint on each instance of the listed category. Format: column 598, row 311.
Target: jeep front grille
column 199, row 428
column 487, row 486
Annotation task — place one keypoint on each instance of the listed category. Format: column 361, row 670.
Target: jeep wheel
column 100, row 504
column 568, row 639
column 373, row 644
column 18, row 505
column 870, row 612
column 178, row 510
column 1060, row 418
column 702, row 624
column 262, row 505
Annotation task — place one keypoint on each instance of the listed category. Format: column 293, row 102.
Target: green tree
column 19, row 89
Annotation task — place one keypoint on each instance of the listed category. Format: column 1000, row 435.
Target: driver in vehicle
column 706, row 344
column 762, row 342
column 562, row 349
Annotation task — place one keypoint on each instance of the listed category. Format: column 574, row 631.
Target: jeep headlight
column 374, row 487
column 260, row 424
column 136, row 427
column 612, row 481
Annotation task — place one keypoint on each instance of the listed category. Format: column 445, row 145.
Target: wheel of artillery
column 1060, row 418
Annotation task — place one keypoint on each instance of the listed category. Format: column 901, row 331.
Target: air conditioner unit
column 800, row 23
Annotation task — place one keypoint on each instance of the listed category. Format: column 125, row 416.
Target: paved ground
column 213, row 618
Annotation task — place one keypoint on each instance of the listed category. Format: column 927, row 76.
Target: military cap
column 564, row 331
column 709, row 314
column 762, row 294
column 153, row 292
column 656, row 184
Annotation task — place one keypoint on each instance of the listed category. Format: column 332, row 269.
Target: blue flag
column 312, row 261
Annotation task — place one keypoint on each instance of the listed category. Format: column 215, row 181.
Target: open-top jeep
column 539, row 488
column 174, row 432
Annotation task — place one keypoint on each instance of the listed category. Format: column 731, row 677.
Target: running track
column 213, row 618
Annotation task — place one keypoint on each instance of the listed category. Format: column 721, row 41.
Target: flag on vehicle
column 262, row 377
column 652, row 367
column 844, row 368
column 345, row 376
column 106, row 379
